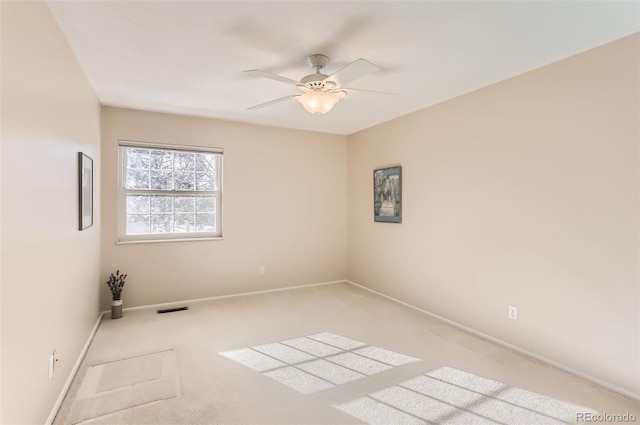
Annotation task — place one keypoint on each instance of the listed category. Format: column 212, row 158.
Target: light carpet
column 123, row 368
column 318, row 362
column 127, row 383
column 451, row 396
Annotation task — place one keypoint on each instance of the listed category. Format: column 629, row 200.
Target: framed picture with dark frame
column 387, row 195
column 85, row 190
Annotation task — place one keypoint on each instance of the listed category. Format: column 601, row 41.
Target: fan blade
column 271, row 76
column 353, row 71
column 369, row 91
column 273, row 102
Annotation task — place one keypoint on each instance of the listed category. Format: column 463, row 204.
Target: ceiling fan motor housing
column 317, row 84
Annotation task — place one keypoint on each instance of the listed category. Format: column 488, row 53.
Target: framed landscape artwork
column 85, row 189
column 387, row 195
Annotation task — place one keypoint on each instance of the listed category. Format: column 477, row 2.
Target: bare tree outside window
column 169, row 192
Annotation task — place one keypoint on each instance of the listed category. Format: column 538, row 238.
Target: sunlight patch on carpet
column 284, row 353
column 337, row 340
column 312, row 347
column 253, row 359
column 124, row 384
column 451, row 396
column 318, row 362
column 359, row 363
column 331, row 372
column 298, row 380
column 376, row 413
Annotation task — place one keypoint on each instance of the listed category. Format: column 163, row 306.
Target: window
column 169, row 192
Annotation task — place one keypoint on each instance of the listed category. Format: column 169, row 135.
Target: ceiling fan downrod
column 318, row 61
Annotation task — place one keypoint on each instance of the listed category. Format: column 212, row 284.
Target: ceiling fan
column 320, row 92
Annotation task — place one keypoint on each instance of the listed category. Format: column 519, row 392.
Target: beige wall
column 523, row 193
column 284, row 207
column 49, row 269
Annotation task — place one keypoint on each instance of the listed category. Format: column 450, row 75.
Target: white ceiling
column 187, row 57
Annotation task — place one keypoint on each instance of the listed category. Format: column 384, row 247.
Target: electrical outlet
column 262, row 270
column 52, row 364
column 513, row 313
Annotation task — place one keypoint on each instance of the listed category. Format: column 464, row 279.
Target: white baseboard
column 543, row 359
column 221, row 297
column 67, row 385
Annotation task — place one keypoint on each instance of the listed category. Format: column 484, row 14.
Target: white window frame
column 123, row 238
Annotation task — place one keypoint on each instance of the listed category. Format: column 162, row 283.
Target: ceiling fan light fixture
column 318, row 102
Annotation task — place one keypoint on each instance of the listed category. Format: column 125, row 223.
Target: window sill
column 143, row 241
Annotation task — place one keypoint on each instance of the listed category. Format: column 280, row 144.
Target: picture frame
column 85, row 190
column 387, row 195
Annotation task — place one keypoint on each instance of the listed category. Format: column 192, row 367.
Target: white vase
column 116, row 309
